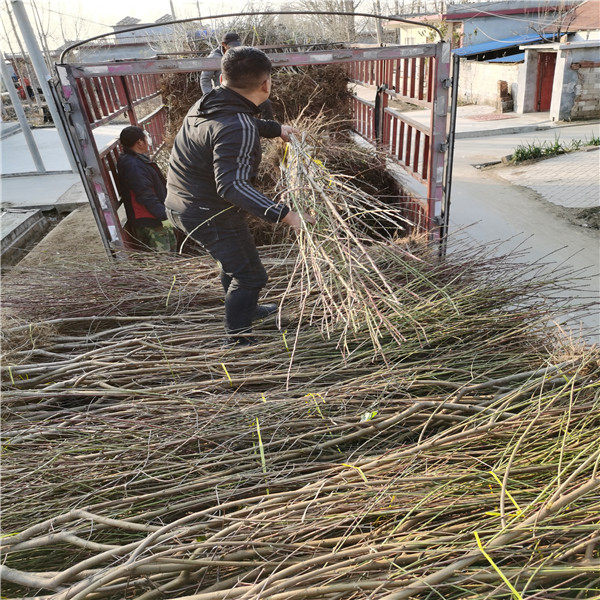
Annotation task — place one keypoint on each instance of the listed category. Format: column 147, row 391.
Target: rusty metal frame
column 95, row 94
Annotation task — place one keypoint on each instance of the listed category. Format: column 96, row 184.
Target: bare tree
column 76, row 28
column 554, row 19
column 378, row 26
column 334, row 27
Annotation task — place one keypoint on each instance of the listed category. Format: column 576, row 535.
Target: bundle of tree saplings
column 412, row 429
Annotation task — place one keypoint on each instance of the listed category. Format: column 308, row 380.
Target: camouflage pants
column 159, row 239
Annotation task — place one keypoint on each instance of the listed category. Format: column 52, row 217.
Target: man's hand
column 294, row 220
column 286, row 131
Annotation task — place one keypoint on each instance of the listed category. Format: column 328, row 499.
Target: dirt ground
column 74, row 238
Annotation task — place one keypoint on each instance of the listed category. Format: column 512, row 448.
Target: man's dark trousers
column 228, row 240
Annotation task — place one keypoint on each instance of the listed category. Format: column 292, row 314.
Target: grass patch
column 545, row 149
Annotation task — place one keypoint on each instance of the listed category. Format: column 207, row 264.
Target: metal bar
column 282, row 47
column 385, row 120
column 41, row 72
column 142, row 85
column 413, row 76
column 401, row 138
column 100, row 94
column 86, row 104
column 108, row 118
column 402, row 117
column 319, row 57
column 109, row 148
column 151, row 116
column 415, row 163
column 94, row 109
column 112, row 91
column 409, row 134
column 430, row 72
column 145, row 84
column 438, row 140
column 81, row 138
column 450, row 156
column 132, row 88
column 16, row 102
column 421, row 77
column 110, row 106
column 416, row 101
column 425, row 165
column 145, row 98
column 130, row 109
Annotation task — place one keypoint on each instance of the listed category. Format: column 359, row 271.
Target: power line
column 77, row 17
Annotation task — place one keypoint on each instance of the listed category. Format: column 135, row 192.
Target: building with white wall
column 492, row 21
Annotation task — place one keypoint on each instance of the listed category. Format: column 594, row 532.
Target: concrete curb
column 461, row 135
column 31, row 228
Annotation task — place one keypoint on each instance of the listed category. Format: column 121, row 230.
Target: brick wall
column 587, row 93
column 478, row 81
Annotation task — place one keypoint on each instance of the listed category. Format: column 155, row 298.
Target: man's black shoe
column 234, row 341
column 265, row 310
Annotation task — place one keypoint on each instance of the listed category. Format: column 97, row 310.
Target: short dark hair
column 130, row 135
column 231, row 37
column 245, row 68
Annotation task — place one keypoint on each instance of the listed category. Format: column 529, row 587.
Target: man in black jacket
column 215, row 156
column 143, row 189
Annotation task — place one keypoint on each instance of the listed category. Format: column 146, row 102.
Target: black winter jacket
column 143, row 189
column 216, row 155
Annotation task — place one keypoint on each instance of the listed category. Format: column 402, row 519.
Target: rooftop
column 458, row 12
column 584, row 17
column 495, row 46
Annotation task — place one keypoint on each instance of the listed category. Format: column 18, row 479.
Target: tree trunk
column 378, row 26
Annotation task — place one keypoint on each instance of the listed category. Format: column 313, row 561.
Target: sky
column 77, row 19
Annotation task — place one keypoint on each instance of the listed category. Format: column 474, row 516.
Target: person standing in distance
column 211, row 79
column 215, row 157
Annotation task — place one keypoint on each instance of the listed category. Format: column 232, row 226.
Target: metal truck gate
column 94, row 95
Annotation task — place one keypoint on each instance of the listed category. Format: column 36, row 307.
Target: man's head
column 134, row 138
column 230, row 40
column 247, row 71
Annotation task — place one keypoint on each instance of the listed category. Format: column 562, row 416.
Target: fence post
column 438, row 144
column 16, row 102
column 450, row 155
column 125, row 97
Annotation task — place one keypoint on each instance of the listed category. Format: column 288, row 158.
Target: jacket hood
column 221, row 101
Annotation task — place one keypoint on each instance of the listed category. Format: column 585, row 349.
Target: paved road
column 488, row 209
column 569, row 180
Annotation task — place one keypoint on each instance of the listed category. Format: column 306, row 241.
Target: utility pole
column 172, row 10
column 43, row 76
column 16, row 102
column 26, row 66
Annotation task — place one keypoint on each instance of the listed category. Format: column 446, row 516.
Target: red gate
column 94, row 95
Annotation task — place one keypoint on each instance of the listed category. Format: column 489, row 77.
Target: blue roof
column 510, row 59
column 492, row 46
